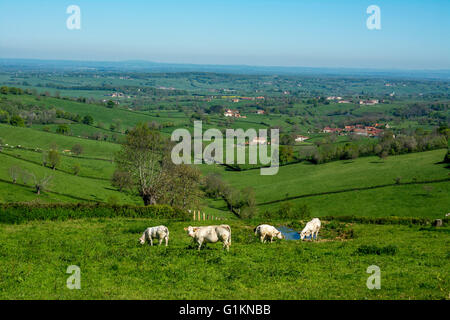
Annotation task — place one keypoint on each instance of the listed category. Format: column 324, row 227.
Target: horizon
column 224, row 65
column 322, row 34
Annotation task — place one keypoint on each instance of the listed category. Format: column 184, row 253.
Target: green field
column 113, row 265
column 401, row 194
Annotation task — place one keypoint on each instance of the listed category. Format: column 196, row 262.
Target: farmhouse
column 334, row 98
column 301, row 138
column 368, row 102
column 331, row 130
column 233, row 113
column 258, row 140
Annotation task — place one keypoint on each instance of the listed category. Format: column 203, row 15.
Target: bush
column 17, row 121
column 28, row 211
column 77, row 149
column 373, row 249
column 447, row 157
column 384, row 220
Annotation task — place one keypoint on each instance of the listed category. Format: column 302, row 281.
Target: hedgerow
column 26, row 211
column 385, row 220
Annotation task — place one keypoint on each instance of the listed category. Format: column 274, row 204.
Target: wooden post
column 199, row 218
column 204, row 218
column 194, row 215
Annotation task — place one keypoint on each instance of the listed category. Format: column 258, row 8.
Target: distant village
column 358, row 129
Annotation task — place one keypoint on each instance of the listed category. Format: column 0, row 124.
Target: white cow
column 265, row 231
column 211, row 234
column 312, row 228
column 159, row 232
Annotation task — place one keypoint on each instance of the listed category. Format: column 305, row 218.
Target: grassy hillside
column 413, row 262
column 304, row 181
column 64, row 186
column 31, row 138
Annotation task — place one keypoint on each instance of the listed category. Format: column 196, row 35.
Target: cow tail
column 167, row 231
column 254, row 230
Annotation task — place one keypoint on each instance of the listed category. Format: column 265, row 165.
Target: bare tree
column 41, row 184
column 15, row 172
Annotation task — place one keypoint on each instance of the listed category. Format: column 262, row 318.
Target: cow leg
column 160, row 241
column 151, row 241
column 262, row 238
column 167, row 241
column 199, row 245
column 271, row 239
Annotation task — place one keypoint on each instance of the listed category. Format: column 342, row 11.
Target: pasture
column 414, row 262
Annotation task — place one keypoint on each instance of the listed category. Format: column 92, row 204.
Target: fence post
column 194, row 215
column 204, row 216
column 199, row 218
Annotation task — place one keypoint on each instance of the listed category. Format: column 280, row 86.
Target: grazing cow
column 264, row 231
column 211, row 234
column 312, row 228
column 159, row 232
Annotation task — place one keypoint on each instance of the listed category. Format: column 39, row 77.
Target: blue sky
column 313, row 33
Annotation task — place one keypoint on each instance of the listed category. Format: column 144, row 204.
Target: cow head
column 190, row 231
column 142, row 239
column 280, row 235
column 304, row 234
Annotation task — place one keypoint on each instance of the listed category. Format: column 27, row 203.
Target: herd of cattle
column 213, row 234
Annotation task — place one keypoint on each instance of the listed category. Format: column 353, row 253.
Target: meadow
column 375, row 210
column 414, row 262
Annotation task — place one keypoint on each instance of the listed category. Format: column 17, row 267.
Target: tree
column 4, row 116
column 87, row 119
column 41, row 184
column 447, row 157
column 287, row 140
column 14, row 173
column 76, row 168
column 214, row 186
column 110, row 104
column 17, row 121
column 63, row 129
column 286, row 154
column 142, row 156
column 53, row 158
column 182, row 186
column 146, row 157
column 77, row 149
column 4, row 90
column 122, row 180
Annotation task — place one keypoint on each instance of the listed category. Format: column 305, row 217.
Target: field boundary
column 353, row 189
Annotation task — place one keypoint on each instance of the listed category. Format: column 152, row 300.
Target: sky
column 310, row 33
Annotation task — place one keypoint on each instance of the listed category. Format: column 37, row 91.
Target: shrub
column 28, row 211
column 447, row 157
column 77, row 149
column 17, row 121
column 76, row 168
column 373, row 249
